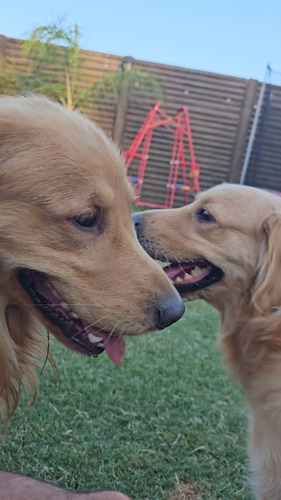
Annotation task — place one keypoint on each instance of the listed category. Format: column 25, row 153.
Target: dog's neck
column 248, row 338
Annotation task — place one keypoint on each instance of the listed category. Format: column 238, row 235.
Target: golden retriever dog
column 225, row 248
column 69, row 257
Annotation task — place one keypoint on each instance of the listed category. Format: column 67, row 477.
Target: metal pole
column 254, row 127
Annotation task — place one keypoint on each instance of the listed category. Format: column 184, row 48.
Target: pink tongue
column 115, row 348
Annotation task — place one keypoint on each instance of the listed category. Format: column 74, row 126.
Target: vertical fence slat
column 242, row 130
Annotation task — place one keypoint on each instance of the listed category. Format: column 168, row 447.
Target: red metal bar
column 150, row 205
column 179, row 126
column 194, row 166
column 177, row 164
column 182, row 161
column 143, row 162
column 172, row 167
column 130, row 153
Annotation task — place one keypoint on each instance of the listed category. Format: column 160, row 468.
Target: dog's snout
column 137, row 219
column 168, row 311
column 169, row 308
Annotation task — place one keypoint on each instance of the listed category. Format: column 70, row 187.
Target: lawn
column 168, row 415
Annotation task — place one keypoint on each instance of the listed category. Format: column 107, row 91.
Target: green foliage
column 55, row 69
column 129, row 80
column 168, row 413
column 9, row 80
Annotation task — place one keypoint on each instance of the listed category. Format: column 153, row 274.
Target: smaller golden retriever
column 225, row 248
column 69, row 256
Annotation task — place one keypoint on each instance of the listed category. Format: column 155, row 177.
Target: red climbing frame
column 179, row 126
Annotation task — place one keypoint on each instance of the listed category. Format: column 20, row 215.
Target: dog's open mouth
column 86, row 337
column 189, row 277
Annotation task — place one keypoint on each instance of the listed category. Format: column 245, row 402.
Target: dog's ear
column 267, row 290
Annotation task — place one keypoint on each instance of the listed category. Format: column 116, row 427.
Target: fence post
column 242, row 131
column 122, row 104
column 2, row 45
column 121, row 109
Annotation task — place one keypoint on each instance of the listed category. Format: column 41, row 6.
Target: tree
column 55, row 70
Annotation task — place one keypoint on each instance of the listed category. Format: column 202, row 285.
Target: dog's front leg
column 265, row 454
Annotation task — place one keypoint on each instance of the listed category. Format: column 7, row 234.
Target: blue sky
column 237, row 38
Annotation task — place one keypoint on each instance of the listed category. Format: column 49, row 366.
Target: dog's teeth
column 196, row 271
column 178, row 280
column 93, row 339
column 187, row 276
column 73, row 315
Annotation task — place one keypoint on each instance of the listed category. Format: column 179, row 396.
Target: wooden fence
column 264, row 169
column 221, row 110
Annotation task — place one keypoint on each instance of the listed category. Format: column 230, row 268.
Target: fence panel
column 221, row 111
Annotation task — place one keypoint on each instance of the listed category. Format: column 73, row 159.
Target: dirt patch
column 185, row 491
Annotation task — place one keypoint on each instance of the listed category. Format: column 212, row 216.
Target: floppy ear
column 267, row 291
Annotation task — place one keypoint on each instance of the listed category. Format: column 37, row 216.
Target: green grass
column 169, row 412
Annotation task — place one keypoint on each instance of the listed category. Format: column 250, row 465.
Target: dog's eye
column 88, row 221
column 204, row 216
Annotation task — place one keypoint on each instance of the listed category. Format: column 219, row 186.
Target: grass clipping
column 185, row 491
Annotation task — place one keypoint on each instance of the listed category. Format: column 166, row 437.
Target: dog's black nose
column 169, row 311
column 137, row 219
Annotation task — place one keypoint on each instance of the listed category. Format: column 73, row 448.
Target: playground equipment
column 179, row 126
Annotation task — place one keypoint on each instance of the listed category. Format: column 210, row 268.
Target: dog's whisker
column 113, row 329
column 92, row 324
column 120, row 334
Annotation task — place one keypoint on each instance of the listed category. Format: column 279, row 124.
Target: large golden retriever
column 69, row 256
column 225, row 248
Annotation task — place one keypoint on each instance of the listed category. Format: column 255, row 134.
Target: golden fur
column 243, row 239
column 55, row 165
